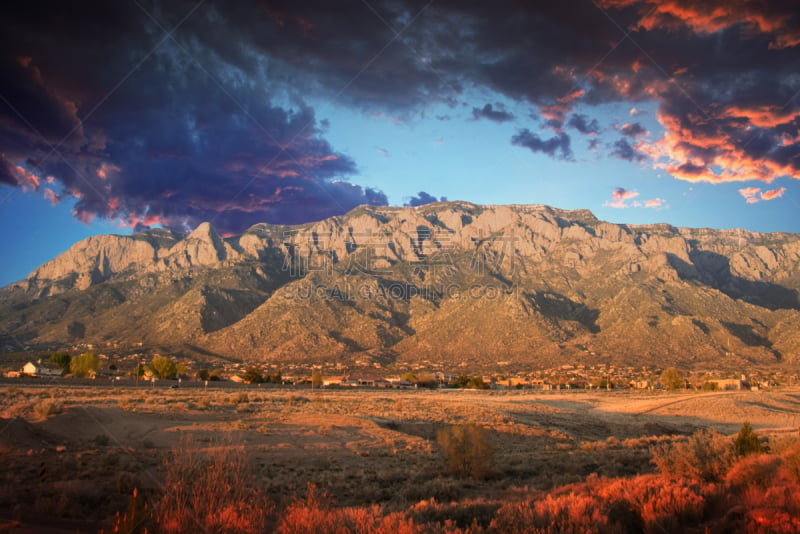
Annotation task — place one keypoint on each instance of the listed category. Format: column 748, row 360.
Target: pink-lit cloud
column 51, row 196
column 753, row 195
column 624, row 198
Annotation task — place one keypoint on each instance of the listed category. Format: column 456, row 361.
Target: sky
column 120, row 116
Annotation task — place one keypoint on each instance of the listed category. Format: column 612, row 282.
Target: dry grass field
column 73, row 457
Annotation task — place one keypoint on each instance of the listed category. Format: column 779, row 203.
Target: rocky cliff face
column 448, row 281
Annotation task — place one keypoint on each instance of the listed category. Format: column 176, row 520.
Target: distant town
column 142, row 366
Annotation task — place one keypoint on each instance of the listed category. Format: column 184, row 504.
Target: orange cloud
column 704, row 151
column 711, row 17
column 761, row 116
column 654, row 203
column 773, row 193
column 753, row 195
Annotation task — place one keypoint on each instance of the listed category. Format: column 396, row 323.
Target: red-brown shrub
column 314, row 515
column 210, row 491
column 754, row 471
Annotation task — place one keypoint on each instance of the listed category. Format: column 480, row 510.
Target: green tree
column 83, row 365
column 466, row 449
column 61, row 359
column 253, row 376
column 747, row 441
column 203, row 374
column 672, row 379
column 163, row 367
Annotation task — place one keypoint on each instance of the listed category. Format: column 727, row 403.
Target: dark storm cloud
column 553, row 55
column 423, row 198
column 624, row 150
column 558, row 145
column 583, row 124
column 216, row 125
column 191, row 134
column 6, row 172
column 493, row 114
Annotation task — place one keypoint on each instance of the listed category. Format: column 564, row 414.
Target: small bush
column 707, row 455
column 314, row 515
column 466, row 450
column 754, row 471
column 101, row 440
column 47, row 407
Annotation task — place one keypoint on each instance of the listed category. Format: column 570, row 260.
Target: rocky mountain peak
column 446, row 281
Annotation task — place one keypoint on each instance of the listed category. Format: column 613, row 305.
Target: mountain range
column 449, row 282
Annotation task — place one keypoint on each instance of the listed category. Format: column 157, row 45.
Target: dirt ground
column 72, row 457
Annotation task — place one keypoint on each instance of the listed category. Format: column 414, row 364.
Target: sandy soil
column 361, row 446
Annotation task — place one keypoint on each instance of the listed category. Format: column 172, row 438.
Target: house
column 40, row 369
column 728, row 384
column 333, row 381
column 399, row 383
column 640, row 384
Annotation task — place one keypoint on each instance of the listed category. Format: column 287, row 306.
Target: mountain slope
column 451, row 282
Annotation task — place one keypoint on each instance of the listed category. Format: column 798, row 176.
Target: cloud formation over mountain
column 178, row 112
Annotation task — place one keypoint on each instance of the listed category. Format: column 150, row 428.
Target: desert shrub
column 466, row 449
column 747, row 441
column 210, row 491
column 791, row 461
column 101, row 440
column 47, row 407
column 758, row 471
column 314, row 515
column 461, row 517
column 774, row 509
column 671, row 507
column 571, row 513
column 710, row 386
column 135, row 520
column 706, row 455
